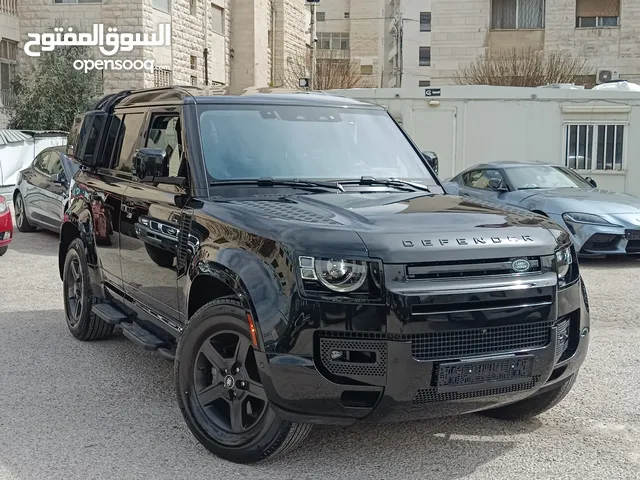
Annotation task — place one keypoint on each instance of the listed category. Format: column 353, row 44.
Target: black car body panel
column 442, row 282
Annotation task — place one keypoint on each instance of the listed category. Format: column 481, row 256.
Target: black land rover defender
column 299, row 262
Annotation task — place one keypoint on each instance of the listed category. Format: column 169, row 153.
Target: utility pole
column 398, row 39
column 312, row 73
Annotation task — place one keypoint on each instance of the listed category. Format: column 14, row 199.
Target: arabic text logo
column 109, row 44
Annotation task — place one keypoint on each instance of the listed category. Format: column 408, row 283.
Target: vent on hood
column 285, row 210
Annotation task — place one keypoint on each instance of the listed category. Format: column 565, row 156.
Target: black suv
column 300, row 263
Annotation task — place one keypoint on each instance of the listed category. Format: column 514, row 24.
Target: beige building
column 9, row 40
column 362, row 31
column 604, row 32
column 213, row 42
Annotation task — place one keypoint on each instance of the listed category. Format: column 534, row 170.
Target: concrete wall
column 473, row 124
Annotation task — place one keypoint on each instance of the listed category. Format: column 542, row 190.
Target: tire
column 20, row 211
column 82, row 323
column 3, row 250
column 533, row 406
column 222, row 321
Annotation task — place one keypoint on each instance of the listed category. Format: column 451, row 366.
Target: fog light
column 336, row 354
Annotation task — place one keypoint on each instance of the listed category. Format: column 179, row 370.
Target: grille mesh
column 480, row 341
column 431, row 395
column 376, row 369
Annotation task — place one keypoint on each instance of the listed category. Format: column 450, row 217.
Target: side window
column 470, row 178
column 42, row 162
column 128, row 139
column 55, row 164
column 164, row 133
column 480, row 178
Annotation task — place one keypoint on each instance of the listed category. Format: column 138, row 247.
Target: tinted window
column 163, row 133
column 312, row 142
column 127, row 140
column 41, row 163
column 55, row 164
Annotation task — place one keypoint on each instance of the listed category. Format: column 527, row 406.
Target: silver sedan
column 600, row 222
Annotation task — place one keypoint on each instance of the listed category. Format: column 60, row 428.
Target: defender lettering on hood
column 430, row 242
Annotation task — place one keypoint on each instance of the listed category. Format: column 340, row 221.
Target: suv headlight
column 564, row 263
column 337, row 274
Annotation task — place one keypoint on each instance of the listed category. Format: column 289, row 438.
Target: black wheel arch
column 243, row 275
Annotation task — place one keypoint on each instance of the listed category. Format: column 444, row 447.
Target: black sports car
column 42, row 190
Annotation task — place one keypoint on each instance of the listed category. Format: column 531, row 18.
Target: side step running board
column 132, row 330
column 109, row 313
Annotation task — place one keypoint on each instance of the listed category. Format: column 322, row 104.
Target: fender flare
column 251, row 279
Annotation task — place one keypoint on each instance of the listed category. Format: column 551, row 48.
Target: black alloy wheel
column 74, row 288
column 220, row 391
column 227, row 382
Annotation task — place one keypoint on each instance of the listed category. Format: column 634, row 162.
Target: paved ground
column 73, row 410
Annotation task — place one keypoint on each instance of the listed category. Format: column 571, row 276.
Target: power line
column 363, row 19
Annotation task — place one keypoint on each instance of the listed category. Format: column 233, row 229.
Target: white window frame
column 156, row 7
column 425, row 24
column 594, row 145
column 598, row 22
column 322, row 36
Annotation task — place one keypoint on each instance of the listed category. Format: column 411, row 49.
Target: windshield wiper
column 272, row 182
column 390, row 182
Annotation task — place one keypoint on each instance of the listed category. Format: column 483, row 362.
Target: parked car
column 6, row 226
column 298, row 271
column 42, row 190
column 600, row 222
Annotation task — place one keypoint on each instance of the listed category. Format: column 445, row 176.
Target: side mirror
column 150, row 165
column 85, row 137
column 432, row 160
column 591, row 182
column 58, row 178
column 498, row 185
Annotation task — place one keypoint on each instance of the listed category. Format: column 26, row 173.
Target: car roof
column 511, row 164
column 194, row 95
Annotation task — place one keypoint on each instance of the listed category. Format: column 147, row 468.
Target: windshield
column 544, row 177
column 305, row 142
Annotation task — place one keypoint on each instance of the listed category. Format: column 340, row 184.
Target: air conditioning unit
column 604, row 75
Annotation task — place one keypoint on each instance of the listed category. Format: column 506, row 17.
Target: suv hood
column 586, row 200
column 399, row 227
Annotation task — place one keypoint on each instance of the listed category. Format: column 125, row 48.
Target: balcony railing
column 9, row 7
column 6, row 98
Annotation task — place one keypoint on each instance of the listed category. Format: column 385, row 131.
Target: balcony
column 9, row 7
column 506, row 40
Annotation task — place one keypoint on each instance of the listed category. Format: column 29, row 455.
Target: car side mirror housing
column 150, row 165
column 591, row 182
column 432, row 160
column 85, row 136
column 498, row 185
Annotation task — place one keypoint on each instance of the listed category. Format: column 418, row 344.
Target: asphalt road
column 73, row 410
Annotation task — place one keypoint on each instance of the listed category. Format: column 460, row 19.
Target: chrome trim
column 468, row 267
column 455, row 286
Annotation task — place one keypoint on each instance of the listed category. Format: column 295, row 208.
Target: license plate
column 633, row 234
column 468, row 375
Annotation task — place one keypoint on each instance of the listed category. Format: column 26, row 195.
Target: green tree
column 49, row 91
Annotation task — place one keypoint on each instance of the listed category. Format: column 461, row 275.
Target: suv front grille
column 480, row 341
column 469, row 268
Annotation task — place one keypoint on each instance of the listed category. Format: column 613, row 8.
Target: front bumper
column 399, row 387
column 599, row 240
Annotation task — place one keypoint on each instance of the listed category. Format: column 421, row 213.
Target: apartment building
column 416, row 42
column 604, row 32
column 9, row 40
column 360, row 30
column 238, row 44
